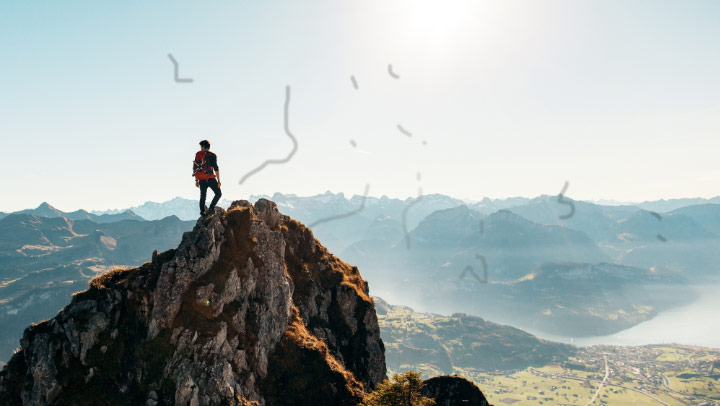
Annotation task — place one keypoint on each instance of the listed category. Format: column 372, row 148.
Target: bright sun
column 442, row 27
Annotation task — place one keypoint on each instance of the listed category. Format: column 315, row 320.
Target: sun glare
column 445, row 30
column 435, row 24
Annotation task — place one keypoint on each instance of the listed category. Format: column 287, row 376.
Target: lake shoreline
column 695, row 324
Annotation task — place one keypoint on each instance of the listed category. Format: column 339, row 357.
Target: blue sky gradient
column 513, row 98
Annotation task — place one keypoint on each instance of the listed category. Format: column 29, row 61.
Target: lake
column 695, row 324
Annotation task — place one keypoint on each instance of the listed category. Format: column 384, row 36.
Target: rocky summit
column 249, row 309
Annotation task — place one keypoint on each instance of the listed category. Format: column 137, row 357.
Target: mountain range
column 46, row 210
column 516, row 261
column 248, row 309
column 43, row 260
column 186, row 209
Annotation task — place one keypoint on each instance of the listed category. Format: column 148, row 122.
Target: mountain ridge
column 249, row 308
column 45, row 209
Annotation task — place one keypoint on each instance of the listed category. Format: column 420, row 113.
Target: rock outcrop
column 453, row 391
column 249, row 309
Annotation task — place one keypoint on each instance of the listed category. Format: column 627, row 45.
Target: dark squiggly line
column 176, row 71
column 657, row 215
column 344, row 215
column 404, row 131
column 568, row 202
column 393, row 74
column 470, row 269
column 289, row 134
column 404, row 216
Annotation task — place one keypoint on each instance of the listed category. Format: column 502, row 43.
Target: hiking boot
column 207, row 212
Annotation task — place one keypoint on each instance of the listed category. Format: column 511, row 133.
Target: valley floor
column 610, row 375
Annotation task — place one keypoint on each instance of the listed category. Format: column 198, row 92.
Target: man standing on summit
column 205, row 171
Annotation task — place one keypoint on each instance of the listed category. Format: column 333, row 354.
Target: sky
column 501, row 98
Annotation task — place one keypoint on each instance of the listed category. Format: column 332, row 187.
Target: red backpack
column 202, row 163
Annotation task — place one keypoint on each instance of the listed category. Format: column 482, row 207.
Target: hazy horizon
column 605, row 202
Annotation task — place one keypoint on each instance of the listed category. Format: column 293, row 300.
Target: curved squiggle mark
column 289, row 134
column 393, row 74
column 470, row 269
column 176, row 70
column 354, row 82
column 404, row 131
column 344, row 215
column 404, row 216
column 568, row 202
column 657, row 215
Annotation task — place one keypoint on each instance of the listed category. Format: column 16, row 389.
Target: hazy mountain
column 537, row 272
column 662, row 206
column 46, row 210
column 448, row 240
column 361, row 214
column 582, row 299
column 598, row 222
column 706, row 215
column 612, row 202
column 659, row 205
column 317, row 209
column 571, row 299
column 674, row 241
column 645, row 226
column 445, row 238
column 680, row 240
column 312, row 208
column 380, row 218
column 29, row 242
column 435, row 344
column 38, row 296
column 2, row 215
column 184, row 209
column 309, row 209
column 487, row 205
column 43, row 260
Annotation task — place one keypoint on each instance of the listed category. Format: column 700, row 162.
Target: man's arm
column 217, row 169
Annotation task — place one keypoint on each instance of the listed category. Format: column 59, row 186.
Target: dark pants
column 204, row 185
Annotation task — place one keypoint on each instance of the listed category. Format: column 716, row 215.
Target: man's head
column 205, row 145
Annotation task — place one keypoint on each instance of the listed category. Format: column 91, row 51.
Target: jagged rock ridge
column 249, row 309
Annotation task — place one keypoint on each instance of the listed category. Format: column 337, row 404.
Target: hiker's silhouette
column 207, row 175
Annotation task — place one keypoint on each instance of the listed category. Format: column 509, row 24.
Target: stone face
column 453, row 390
column 249, row 309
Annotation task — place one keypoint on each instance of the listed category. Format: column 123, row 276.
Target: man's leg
column 212, row 182
column 203, row 193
